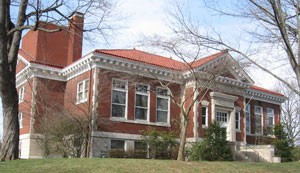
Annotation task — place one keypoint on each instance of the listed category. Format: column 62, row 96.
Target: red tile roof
column 157, row 60
column 140, row 56
column 25, row 55
column 30, row 59
column 254, row 87
column 47, row 64
column 204, row 60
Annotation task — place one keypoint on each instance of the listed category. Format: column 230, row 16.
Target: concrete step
column 240, row 156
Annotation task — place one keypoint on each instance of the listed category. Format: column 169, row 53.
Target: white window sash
column 261, row 118
column 162, row 110
column 119, row 104
column 248, row 112
column 84, row 91
column 140, row 107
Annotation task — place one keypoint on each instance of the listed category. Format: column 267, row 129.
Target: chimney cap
column 76, row 13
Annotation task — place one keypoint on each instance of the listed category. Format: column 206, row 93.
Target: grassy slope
column 141, row 166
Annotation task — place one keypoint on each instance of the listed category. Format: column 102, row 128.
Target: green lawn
column 141, row 166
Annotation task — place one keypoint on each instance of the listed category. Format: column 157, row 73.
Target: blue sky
column 145, row 17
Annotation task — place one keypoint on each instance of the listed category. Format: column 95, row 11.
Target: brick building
column 122, row 90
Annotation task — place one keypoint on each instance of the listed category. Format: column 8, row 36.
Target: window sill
column 238, row 131
column 144, row 122
column 81, row 101
column 204, row 126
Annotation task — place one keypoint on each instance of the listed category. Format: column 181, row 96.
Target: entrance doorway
column 223, row 118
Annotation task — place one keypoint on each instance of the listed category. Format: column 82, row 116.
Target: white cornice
column 265, row 97
column 20, row 57
column 134, row 67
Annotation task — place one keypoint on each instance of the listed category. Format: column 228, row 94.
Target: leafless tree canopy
column 273, row 29
column 19, row 15
column 290, row 114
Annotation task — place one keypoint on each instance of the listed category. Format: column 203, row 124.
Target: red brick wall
column 49, row 101
column 51, row 48
column 104, row 107
column 189, row 96
column 25, row 106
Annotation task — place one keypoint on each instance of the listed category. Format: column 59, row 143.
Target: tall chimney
column 75, row 37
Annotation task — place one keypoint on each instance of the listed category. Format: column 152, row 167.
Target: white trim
column 114, row 135
column 21, row 94
column 140, row 122
column 85, row 87
column 265, row 97
column 206, row 116
column 20, row 117
column 246, row 111
column 20, row 57
column 262, row 119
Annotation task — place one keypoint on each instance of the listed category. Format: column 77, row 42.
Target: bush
column 281, row 143
column 115, row 153
column 196, row 151
column 296, row 153
column 161, row 144
column 214, row 147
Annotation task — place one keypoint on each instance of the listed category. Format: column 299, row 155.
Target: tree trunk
column 10, row 146
column 183, row 130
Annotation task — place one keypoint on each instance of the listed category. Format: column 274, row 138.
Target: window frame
column 273, row 121
column 124, row 146
column 126, row 98
column 248, row 113
column 85, row 91
column 206, row 116
column 21, row 94
column 168, row 104
column 20, row 119
column 148, row 102
column 222, row 117
column 261, row 119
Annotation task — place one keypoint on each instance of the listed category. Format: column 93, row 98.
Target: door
column 223, row 118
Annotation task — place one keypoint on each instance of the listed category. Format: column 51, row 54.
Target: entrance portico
column 223, row 110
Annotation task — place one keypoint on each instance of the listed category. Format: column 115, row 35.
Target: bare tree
column 274, row 28
column 290, row 113
column 29, row 16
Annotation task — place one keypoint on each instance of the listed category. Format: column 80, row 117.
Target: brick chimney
column 75, row 37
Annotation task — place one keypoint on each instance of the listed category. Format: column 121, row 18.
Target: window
column 138, row 145
column 21, row 94
column 237, row 121
column 204, row 116
column 141, row 102
column 270, row 121
column 258, row 119
column 117, row 144
column 248, row 119
column 82, row 91
column 20, row 115
column 162, row 105
column 119, row 98
column 221, row 117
